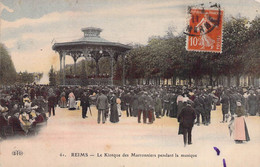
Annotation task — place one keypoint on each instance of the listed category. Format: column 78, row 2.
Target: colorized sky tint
column 30, row 27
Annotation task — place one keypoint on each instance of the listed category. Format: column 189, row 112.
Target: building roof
column 92, row 38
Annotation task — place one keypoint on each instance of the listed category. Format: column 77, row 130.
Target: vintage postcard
column 128, row 83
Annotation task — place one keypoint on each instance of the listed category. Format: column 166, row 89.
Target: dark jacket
column 208, row 103
column 141, row 102
column 158, row 104
column 187, row 117
column 150, row 103
column 199, row 105
column 225, row 104
column 84, row 101
column 233, row 103
column 51, row 101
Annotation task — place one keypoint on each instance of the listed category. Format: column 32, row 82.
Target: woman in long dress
column 63, row 101
column 114, row 118
column 72, row 101
column 240, row 128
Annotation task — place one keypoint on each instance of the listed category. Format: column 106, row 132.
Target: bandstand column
column 112, row 54
column 75, row 66
column 75, row 57
column 112, row 69
column 64, row 71
column 61, row 80
column 123, row 74
column 97, row 67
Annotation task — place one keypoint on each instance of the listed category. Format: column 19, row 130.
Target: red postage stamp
column 204, row 31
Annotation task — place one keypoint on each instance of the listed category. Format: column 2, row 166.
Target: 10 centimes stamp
column 204, row 29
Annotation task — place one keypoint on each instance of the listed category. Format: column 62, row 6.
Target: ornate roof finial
column 91, row 32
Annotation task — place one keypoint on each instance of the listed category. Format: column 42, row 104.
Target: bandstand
column 91, row 45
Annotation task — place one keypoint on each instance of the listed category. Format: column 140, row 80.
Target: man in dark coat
column 225, row 106
column 174, row 107
column 127, row 104
column 186, row 119
column 135, row 104
column 150, row 108
column 123, row 103
column 102, row 106
column 233, row 103
column 252, row 103
column 208, row 108
column 84, row 102
column 199, row 108
column 166, row 104
column 51, row 104
column 158, row 106
column 173, row 104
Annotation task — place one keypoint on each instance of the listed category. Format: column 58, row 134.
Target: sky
column 29, row 28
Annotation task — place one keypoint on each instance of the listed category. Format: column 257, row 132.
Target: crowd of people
column 33, row 104
column 21, row 111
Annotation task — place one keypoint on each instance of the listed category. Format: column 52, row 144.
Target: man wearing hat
column 84, row 102
column 102, row 106
column 186, row 119
column 225, row 106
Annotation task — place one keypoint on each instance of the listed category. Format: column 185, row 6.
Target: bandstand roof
column 91, row 38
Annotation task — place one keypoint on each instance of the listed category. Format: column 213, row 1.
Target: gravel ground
column 68, row 140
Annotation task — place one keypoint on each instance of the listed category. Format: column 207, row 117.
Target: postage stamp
column 204, row 30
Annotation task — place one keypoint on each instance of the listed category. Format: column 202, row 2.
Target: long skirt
column 72, row 104
column 63, row 102
column 114, row 117
column 240, row 129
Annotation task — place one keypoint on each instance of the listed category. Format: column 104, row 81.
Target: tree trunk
column 97, row 67
column 253, row 81
column 237, row 80
column 228, row 80
column 196, row 81
column 210, row 80
column 174, row 80
column 190, row 80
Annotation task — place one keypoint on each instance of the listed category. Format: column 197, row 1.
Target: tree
column 7, row 69
column 83, row 74
column 52, row 77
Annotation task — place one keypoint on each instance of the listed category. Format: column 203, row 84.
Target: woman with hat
column 114, row 118
column 24, row 118
column 72, row 101
column 240, row 128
